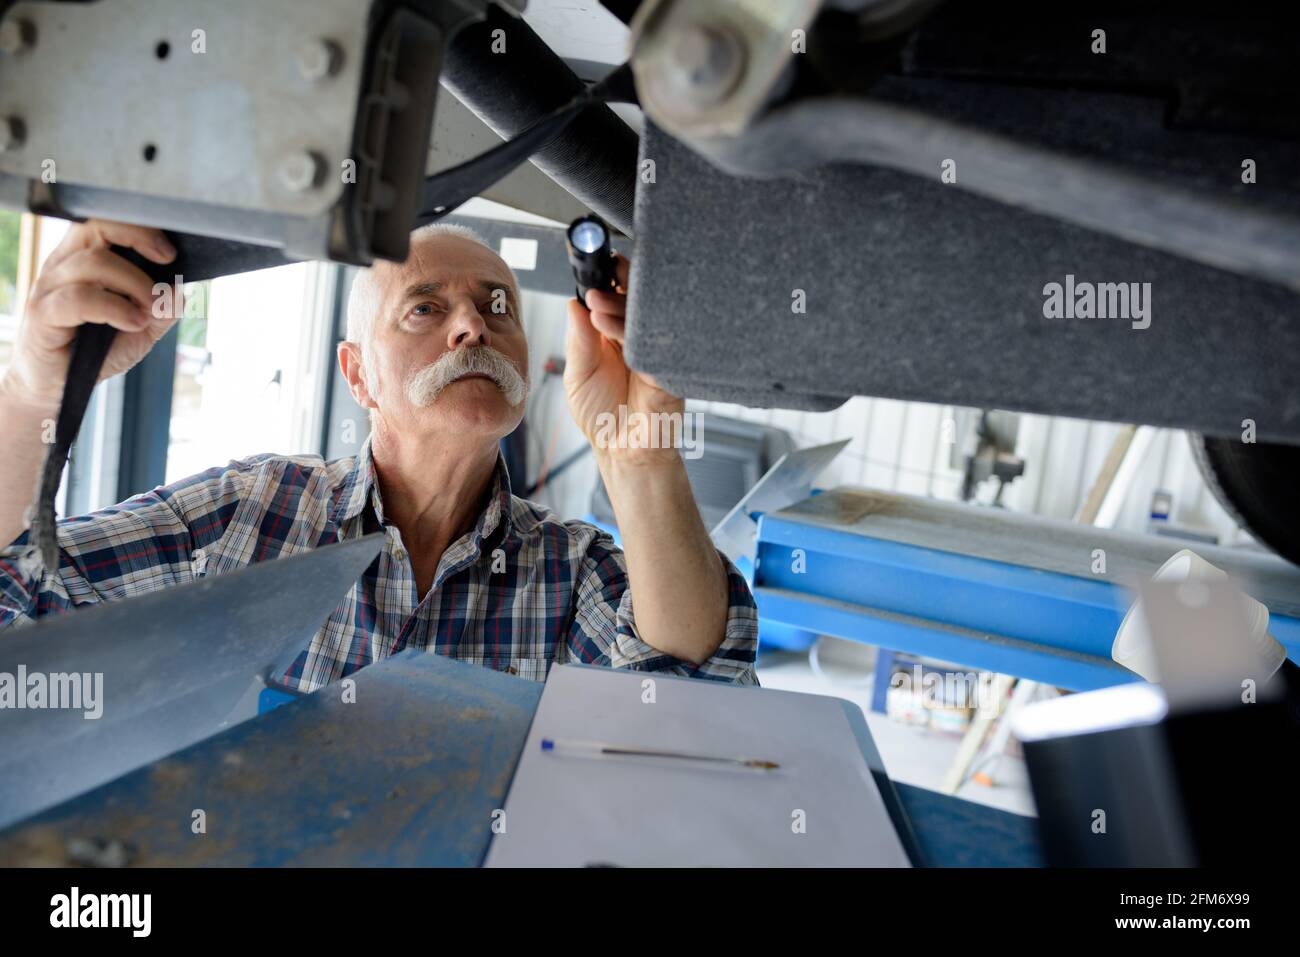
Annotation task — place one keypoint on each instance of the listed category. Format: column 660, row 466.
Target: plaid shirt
column 563, row 594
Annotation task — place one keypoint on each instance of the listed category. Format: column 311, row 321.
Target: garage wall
column 904, row 447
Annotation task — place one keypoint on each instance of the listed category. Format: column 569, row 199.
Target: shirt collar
column 359, row 489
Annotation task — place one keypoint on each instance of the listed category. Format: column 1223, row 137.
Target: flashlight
column 592, row 260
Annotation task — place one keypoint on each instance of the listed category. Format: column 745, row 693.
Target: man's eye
column 423, row 309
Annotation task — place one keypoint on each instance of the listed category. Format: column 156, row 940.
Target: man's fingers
column 163, row 317
column 583, row 345
column 152, row 244
column 611, row 303
column 149, row 243
column 622, row 269
column 609, row 326
column 100, row 266
column 80, row 303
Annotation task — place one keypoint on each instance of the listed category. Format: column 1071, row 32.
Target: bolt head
column 318, row 59
column 301, row 171
column 707, row 61
column 693, row 51
column 16, row 35
column 697, row 69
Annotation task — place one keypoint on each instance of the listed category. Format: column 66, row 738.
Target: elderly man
column 436, row 352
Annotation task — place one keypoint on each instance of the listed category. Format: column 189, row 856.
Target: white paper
column 573, row 811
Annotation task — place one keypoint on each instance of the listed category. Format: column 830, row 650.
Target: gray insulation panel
column 918, row 290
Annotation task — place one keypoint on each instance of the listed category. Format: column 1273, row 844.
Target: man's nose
column 467, row 327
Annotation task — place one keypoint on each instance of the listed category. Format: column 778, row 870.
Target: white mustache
column 423, row 386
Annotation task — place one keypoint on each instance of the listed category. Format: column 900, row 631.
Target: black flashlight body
column 594, row 265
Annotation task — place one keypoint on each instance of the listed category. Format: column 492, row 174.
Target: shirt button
column 400, row 554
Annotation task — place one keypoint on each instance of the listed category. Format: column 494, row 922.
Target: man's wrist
column 20, row 399
column 644, row 482
column 615, row 463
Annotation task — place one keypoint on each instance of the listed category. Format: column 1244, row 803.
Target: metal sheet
column 788, row 481
column 218, row 135
column 174, row 665
column 408, row 774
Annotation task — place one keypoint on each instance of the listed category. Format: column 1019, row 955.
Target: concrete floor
column 913, row 755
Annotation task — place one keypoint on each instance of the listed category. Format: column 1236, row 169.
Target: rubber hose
column 595, row 159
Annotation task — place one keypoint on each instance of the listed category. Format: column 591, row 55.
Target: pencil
column 595, row 749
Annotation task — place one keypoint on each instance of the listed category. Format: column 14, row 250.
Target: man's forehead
column 433, row 287
column 447, row 261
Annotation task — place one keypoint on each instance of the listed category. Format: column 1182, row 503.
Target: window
column 251, row 361
column 10, row 237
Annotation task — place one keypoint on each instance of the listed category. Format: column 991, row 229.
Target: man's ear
column 354, row 371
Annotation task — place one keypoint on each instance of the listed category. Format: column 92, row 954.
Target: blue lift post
column 979, row 587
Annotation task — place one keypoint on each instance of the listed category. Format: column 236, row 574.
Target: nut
column 318, row 59
column 707, row 62
column 16, row 35
column 301, row 171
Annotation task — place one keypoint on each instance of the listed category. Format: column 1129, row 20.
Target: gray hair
column 363, row 301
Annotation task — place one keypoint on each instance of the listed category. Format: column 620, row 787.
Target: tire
column 1258, row 485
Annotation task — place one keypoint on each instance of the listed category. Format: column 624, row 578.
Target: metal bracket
column 706, row 68
column 302, row 127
